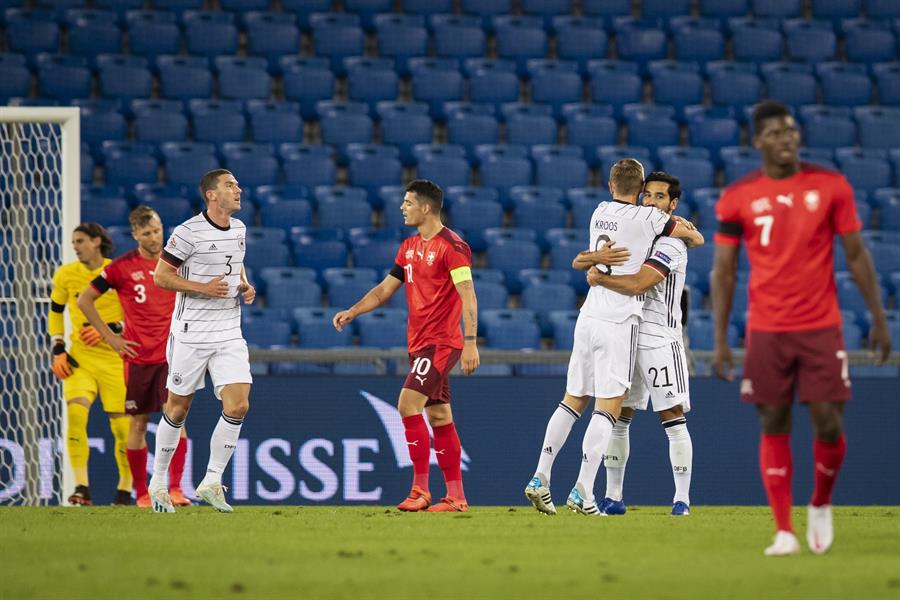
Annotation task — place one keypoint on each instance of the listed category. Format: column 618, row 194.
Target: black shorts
column 146, row 388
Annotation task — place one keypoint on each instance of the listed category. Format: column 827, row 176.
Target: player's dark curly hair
column 95, row 230
column 428, row 191
column 674, row 183
column 768, row 109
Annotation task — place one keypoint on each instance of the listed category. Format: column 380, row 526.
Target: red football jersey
column 148, row 308
column 432, row 300
column 788, row 226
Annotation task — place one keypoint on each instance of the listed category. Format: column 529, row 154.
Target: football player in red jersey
column 148, row 311
column 435, row 264
column 787, row 214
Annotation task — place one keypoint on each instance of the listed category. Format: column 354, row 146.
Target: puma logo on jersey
column 782, row 472
column 823, row 469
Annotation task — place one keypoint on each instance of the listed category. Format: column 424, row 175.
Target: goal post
column 40, row 155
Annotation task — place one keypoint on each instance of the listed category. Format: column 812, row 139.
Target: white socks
column 167, row 436
column 221, row 446
column 596, row 440
column 681, row 454
column 616, row 458
column 558, row 429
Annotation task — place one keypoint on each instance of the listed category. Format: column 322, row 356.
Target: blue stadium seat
column 372, row 166
column 275, row 122
column 342, row 124
column 792, row 84
column 563, row 323
column 866, row 169
column 493, row 82
column 724, row 8
column 511, row 329
column 827, row 126
column 307, row 80
column 580, row 38
column 289, row 288
column 401, row 37
column 879, row 126
column 561, row 171
column 184, row 77
column 844, row 84
column 510, row 256
column 810, row 41
column 179, row 7
column 63, row 77
column 210, row 34
column 86, row 164
column 171, row 209
column 701, row 330
column 271, row 275
column 286, row 213
column 436, row 81
column 318, row 249
column 367, row 9
column 308, row 165
column 640, row 43
column 781, row 9
column 473, row 216
column 612, row 85
column 734, row 84
column 869, row 41
column 446, row 170
column 266, row 253
column 106, row 211
column 529, row 124
column 712, row 129
column 889, row 215
column 738, row 161
column 265, row 235
column 698, row 43
column 879, row 9
column 185, row 160
column 30, row 32
column 819, row 156
column 455, row 194
column 561, row 254
column 344, row 282
column 243, row 77
column 705, row 200
column 160, row 125
column 403, row 125
column 124, row 77
column 371, row 80
column 15, row 79
column 375, row 254
column 530, row 277
column 520, row 38
column 341, row 208
column 458, row 36
column 665, row 8
column 676, row 84
column 503, row 170
column 606, row 8
column 382, row 328
column 119, row 7
column 470, row 125
column 836, row 9
column 543, row 298
column 651, row 125
column 691, row 165
column 153, row 33
column 129, row 163
column 555, row 83
column 315, row 329
column 93, row 32
column 888, row 77
column 267, row 332
column 336, row 36
column 547, row 10
column 538, row 215
column 755, row 42
column 610, row 154
column 491, row 296
column 589, row 126
column 884, row 245
column 272, row 35
column 252, row 164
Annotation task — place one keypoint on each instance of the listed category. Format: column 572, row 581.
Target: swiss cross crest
column 760, row 205
column 811, row 200
column 137, row 275
column 409, row 254
column 430, row 258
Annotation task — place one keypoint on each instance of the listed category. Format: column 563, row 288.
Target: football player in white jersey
column 204, row 262
column 606, row 335
column 661, row 374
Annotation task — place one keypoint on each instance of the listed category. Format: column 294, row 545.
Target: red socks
column 827, row 457
column 449, row 453
column 777, row 471
column 419, row 445
column 137, row 460
column 176, row 467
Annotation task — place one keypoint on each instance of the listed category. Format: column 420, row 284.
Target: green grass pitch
column 490, row 552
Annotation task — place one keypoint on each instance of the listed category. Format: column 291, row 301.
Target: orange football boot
column 450, row 504
column 178, row 497
column 417, row 500
column 144, row 501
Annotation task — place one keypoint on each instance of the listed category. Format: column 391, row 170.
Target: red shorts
column 813, row 362
column 429, row 372
column 146, row 388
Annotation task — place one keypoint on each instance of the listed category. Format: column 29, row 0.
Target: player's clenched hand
column 248, row 292
column 723, row 363
column 89, row 335
column 60, row 367
column 684, row 222
column 469, row 359
column 880, row 340
column 216, row 288
column 609, row 256
column 593, row 276
column 345, row 317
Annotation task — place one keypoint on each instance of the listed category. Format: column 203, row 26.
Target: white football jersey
column 201, row 251
column 632, row 227
column 661, row 317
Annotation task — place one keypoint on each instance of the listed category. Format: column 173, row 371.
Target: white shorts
column 660, row 375
column 227, row 363
column 602, row 358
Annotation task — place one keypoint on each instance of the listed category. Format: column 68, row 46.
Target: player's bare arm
column 123, row 347
column 469, row 359
column 722, row 281
column 687, row 233
column 166, row 276
column 374, row 298
column 607, row 255
column 859, row 262
column 248, row 292
column 630, row 285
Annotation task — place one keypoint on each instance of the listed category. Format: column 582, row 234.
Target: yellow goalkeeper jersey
column 68, row 282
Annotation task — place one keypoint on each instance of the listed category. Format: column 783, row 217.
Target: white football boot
column 539, row 494
column 160, row 501
column 785, row 544
column 819, row 528
column 214, row 495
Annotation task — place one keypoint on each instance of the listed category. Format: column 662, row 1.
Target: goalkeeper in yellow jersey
column 90, row 366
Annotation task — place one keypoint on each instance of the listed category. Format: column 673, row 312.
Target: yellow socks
column 119, row 427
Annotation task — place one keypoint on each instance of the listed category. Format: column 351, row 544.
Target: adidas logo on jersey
column 669, row 394
column 213, row 247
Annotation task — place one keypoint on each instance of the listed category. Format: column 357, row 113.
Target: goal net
column 39, row 207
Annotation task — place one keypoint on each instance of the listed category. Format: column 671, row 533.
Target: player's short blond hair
column 141, row 217
column 627, row 177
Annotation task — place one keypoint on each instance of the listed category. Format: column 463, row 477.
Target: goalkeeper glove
column 62, row 362
column 90, row 336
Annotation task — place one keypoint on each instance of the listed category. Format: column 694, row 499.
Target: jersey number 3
column 140, row 293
